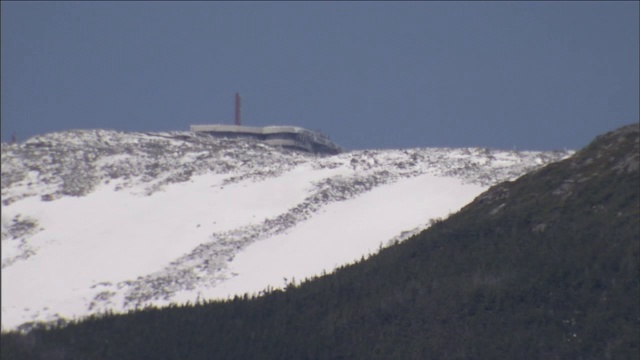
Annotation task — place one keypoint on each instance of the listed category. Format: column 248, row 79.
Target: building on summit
column 292, row 137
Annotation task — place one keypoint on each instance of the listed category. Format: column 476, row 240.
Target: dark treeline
column 544, row 267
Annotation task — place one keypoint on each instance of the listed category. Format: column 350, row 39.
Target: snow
column 140, row 236
column 137, row 231
column 143, row 234
column 344, row 232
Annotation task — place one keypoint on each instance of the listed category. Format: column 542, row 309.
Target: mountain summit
column 544, row 266
column 99, row 220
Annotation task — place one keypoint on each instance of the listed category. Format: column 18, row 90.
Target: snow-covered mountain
column 103, row 220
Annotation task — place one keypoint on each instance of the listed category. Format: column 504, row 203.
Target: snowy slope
column 102, row 220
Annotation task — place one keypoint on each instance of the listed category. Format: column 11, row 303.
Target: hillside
column 98, row 220
column 546, row 266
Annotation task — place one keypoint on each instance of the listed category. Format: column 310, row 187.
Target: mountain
column 96, row 221
column 545, row 266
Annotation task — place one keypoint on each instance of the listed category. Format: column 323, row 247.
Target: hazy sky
column 529, row 75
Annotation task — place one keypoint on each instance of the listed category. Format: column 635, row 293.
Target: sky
column 370, row 75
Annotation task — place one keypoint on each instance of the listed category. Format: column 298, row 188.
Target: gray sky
column 371, row 75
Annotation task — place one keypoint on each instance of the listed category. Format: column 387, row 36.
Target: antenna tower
column 238, row 103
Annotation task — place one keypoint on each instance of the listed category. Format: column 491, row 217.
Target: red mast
column 238, row 109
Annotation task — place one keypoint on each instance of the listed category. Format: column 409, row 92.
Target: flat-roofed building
column 285, row 136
